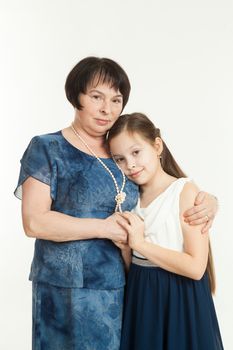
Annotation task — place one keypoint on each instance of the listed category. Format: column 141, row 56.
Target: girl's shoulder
column 188, row 194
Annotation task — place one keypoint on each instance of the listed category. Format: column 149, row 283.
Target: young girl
column 168, row 300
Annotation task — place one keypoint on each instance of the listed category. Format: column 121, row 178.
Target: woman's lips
column 102, row 121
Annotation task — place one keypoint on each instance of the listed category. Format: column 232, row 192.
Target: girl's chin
column 137, row 181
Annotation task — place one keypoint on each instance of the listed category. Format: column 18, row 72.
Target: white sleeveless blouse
column 162, row 218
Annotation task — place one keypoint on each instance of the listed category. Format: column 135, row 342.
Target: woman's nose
column 105, row 107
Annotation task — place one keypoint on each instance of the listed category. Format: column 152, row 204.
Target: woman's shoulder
column 47, row 138
column 41, row 146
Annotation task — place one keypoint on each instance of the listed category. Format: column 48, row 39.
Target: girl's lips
column 136, row 174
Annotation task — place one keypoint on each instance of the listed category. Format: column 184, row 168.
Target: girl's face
column 138, row 158
column 102, row 106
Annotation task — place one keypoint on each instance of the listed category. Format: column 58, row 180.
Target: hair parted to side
column 95, row 70
column 139, row 123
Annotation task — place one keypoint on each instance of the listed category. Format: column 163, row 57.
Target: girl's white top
column 162, row 218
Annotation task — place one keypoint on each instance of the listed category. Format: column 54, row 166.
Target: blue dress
column 78, row 285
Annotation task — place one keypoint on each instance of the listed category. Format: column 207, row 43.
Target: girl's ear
column 158, row 145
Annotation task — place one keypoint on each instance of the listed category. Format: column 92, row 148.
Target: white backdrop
column 178, row 55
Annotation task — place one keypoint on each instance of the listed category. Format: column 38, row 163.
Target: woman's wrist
column 99, row 228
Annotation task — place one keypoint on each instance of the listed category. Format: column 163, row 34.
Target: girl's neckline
column 160, row 195
column 79, row 150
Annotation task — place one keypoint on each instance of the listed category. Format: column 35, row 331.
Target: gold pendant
column 120, row 197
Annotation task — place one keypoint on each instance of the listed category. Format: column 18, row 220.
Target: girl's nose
column 131, row 166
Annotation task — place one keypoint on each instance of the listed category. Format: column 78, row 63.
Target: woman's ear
column 158, row 145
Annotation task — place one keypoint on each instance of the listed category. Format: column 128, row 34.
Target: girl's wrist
column 126, row 248
column 138, row 246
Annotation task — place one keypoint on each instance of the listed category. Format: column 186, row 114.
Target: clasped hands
column 134, row 228
column 132, row 233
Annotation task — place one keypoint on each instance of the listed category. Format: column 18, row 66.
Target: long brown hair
column 142, row 125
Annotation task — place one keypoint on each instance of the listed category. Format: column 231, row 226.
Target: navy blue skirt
column 166, row 311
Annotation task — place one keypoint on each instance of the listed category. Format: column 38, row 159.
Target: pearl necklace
column 120, row 196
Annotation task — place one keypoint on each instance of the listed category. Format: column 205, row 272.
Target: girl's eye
column 136, row 152
column 119, row 160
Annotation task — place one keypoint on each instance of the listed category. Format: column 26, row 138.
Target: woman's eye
column 96, row 97
column 117, row 100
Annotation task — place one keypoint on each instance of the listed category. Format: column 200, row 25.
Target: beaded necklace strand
column 120, row 196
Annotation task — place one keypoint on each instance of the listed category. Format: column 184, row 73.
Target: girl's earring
column 159, row 156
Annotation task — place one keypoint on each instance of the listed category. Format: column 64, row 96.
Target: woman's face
column 102, row 106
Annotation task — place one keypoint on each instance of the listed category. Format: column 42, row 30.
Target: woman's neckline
column 160, row 195
column 79, row 150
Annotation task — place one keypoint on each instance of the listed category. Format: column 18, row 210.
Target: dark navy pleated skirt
column 165, row 311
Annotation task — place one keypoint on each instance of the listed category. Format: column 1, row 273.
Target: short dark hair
column 92, row 69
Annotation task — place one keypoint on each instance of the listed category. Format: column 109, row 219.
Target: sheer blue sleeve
column 37, row 163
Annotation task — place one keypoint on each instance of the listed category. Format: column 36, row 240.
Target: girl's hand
column 204, row 211
column 122, row 246
column 135, row 228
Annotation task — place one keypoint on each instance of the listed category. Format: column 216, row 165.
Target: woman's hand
column 114, row 229
column 135, row 227
column 204, row 211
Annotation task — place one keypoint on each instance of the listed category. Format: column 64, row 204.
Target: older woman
column 71, row 192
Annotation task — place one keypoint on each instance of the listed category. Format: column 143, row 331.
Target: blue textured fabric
column 166, row 311
column 76, row 318
column 80, row 187
column 78, row 285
